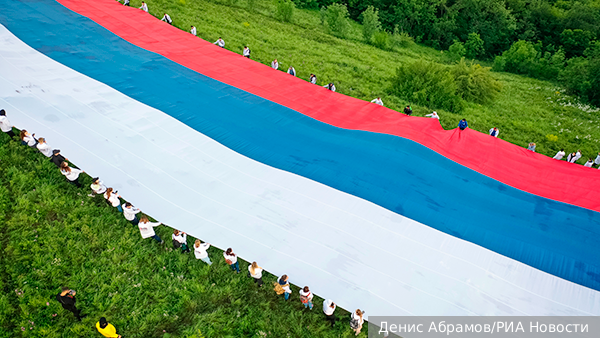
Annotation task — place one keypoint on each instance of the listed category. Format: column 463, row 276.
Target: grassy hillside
column 526, row 110
column 52, row 234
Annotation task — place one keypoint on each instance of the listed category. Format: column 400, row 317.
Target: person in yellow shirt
column 106, row 329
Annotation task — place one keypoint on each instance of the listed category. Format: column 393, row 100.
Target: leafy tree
column 401, row 39
column 490, row 19
column 371, row 24
column 381, row 40
column 285, row 10
column 336, row 18
column 457, row 50
column 575, row 41
column 474, row 46
column 518, row 59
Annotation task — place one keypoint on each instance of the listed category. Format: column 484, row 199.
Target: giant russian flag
column 370, row 208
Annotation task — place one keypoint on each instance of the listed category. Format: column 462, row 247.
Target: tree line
column 548, row 39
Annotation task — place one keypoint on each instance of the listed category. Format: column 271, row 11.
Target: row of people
column 67, row 296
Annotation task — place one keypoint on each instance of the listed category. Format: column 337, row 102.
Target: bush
column 371, row 24
column 285, row 10
column 519, row 58
column 336, row 18
column 474, row 46
column 428, row 84
column 475, row 83
column 251, row 5
column 457, row 50
column 401, row 39
column 381, row 40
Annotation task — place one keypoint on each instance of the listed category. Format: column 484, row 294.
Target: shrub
column 475, row 83
column 519, row 58
column 371, row 24
column 381, row 40
column 285, row 10
column 401, row 39
column 336, row 18
column 474, row 46
column 252, row 4
column 457, row 50
column 428, row 84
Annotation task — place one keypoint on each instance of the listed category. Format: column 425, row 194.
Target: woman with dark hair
column 112, row 198
column 97, row 187
column 27, row 139
column 107, row 329
column 231, row 259
column 306, row 298
column 180, row 241
column 72, row 174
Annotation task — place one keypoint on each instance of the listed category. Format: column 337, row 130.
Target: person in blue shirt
column 463, row 124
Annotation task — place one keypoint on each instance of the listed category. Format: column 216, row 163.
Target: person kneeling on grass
column 107, row 329
column 200, row 251
column 147, row 229
column 27, row 139
column 255, row 272
column 72, row 174
column 306, row 298
column 357, row 320
column 112, row 198
column 97, row 187
column 231, row 259
column 129, row 211
column 283, row 286
column 180, row 241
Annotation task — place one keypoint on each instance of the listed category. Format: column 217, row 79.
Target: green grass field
column 526, row 110
column 52, row 234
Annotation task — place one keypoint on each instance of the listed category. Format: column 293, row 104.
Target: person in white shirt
column 219, row 43
column 377, row 101
column 112, row 198
column 356, row 321
column 494, row 132
column 589, row 163
column 5, row 124
column 144, row 7
column 434, row 115
column 246, row 52
column 130, row 212
column 27, row 138
column 306, row 297
column 330, row 86
column 44, row 148
column 329, row 309
column 147, row 229
column 291, row 71
column 597, row 160
column 255, row 272
column 97, row 187
column 275, row 64
column 126, row 3
column 231, row 259
column 570, row 156
column 193, row 31
column 576, row 157
column 284, row 285
column 166, row 18
column 200, row 251
column 313, row 79
column 72, row 174
column 180, row 241
column 559, row 155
